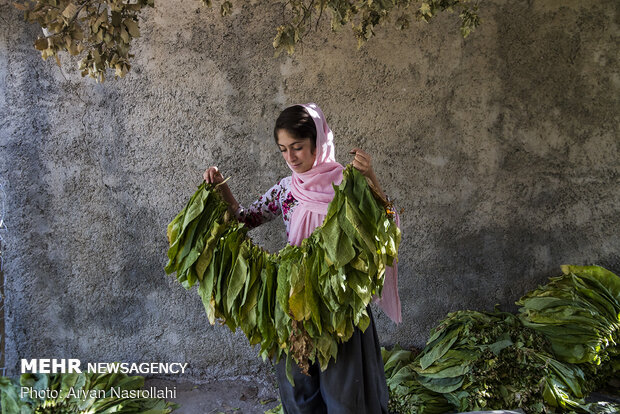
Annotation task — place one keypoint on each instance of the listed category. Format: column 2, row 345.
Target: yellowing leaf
column 41, row 44
column 20, row 6
column 132, row 27
column 70, row 11
column 124, row 35
column 425, row 9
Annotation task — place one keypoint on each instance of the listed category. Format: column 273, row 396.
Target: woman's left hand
column 362, row 162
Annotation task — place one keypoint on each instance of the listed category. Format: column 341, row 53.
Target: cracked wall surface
column 502, row 150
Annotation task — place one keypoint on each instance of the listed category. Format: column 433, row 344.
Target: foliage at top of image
column 102, row 30
column 365, row 16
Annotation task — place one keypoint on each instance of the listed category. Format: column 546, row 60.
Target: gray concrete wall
column 502, row 149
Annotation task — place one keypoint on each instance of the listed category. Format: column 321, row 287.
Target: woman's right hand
column 213, row 175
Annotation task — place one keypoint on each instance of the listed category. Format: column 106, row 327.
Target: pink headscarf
column 314, row 191
column 313, row 188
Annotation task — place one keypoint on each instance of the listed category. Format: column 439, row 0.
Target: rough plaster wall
column 502, row 150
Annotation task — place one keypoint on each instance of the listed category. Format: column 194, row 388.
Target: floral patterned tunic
column 277, row 200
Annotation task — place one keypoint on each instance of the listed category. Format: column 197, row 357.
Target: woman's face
column 298, row 153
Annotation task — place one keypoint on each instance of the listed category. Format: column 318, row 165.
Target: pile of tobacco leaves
column 78, row 393
column 407, row 395
column 302, row 301
column 579, row 313
column 561, row 346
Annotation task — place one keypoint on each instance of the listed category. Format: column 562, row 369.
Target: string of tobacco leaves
column 303, row 301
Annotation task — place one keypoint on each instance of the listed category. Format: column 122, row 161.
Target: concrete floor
column 238, row 397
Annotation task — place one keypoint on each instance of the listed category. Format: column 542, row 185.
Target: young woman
column 355, row 383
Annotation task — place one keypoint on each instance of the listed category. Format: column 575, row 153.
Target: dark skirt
column 354, row 384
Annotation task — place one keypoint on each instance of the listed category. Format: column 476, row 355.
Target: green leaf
column 442, row 385
column 439, row 350
column 503, row 342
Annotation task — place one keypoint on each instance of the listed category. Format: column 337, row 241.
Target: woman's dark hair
column 298, row 122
